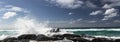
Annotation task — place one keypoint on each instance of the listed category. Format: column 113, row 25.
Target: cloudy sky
column 63, row 13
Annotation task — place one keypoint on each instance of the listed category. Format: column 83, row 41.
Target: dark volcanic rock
column 24, row 40
column 42, row 37
column 58, row 37
column 101, row 40
column 55, row 30
column 70, row 35
column 75, row 38
column 45, row 38
column 27, row 36
column 78, row 39
column 117, row 40
column 12, row 39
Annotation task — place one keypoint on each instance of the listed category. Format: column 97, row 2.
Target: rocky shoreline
column 57, row 38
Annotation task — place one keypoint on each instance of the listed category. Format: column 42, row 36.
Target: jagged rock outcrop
column 42, row 37
column 27, row 36
column 101, row 40
column 70, row 35
column 59, row 38
column 78, row 39
column 10, row 39
column 117, row 40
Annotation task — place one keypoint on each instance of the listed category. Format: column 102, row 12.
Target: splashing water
column 3, row 36
column 27, row 26
column 30, row 26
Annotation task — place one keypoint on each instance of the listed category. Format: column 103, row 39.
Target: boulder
column 24, row 40
column 70, row 35
column 101, row 40
column 42, row 37
column 11, row 39
column 78, row 39
column 58, row 37
column 55, row 30
column 84, row 35
column 27, row 36
column 117, row 40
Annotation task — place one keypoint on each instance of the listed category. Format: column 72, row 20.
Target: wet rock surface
column 55, row 38
column 117, row 40
column 27, row 36
column 101, row 40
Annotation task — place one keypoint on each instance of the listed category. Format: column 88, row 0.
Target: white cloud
column 9, row 15
column 109, row 16
column 117, row 21
column 96, row 12
column 70, row 13
column 9, row 11
column 75, row 21
column 90, row 4
column 72, row 4
column 113, row 3
column 16, row 9
column 110, row 13
column 106, row 6
column 79, row 19
column 13, row 8
column 72, row 22
column 92, row 21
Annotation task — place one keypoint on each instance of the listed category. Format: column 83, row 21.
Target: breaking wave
column 104, row 33
column 26, row 26
column 109, row 37
column 90, row 29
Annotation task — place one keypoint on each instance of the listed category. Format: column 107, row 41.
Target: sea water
column 108, row 33
column 90, row 32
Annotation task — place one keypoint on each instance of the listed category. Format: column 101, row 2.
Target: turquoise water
column 91, row 32
column 8, row 32
column 96, row 33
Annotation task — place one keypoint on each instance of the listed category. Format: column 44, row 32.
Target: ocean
column 95, row 32
column 109, row 32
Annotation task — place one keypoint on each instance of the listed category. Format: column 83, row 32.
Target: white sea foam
column 3, row 36
column 109, row 37
column 90, row 29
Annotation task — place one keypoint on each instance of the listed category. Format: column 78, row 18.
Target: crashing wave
column 90, row 29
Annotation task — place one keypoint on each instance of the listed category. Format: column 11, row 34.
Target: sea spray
column 3, row 36
column 26, row 26
column 30, row 26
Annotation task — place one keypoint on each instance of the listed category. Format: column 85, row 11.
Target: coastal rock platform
column 57, row 38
